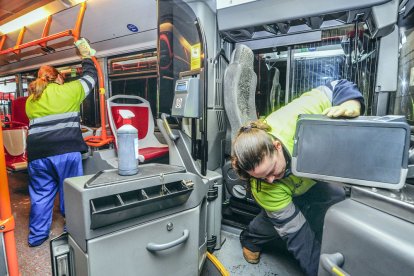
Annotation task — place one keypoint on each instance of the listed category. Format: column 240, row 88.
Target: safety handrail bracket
column 7, row 224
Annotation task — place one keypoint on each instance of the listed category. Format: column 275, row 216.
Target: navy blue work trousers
column 305, row 243
column 46, row 176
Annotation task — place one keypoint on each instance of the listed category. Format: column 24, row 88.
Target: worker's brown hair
column 251, row 145
column 45, row 75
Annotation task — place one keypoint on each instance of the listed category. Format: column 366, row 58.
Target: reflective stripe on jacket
column 54, row 118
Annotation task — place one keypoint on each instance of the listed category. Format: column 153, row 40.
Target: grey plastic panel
column 3, row 263
column 368, row 151
column 372, row 242
column 387, row 72
column 292, row 39
column 383, row 18
column 80, row 259
column 270, row 11
column 397, row 203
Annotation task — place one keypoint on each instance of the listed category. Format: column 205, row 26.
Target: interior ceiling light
column 24, row 20
column 70, row 3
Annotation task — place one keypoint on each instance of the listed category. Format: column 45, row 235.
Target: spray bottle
column 127, row 137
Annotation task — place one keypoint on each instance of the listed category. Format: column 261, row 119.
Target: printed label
column 196, row 56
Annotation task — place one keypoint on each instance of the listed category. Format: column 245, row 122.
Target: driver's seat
column 239, row 88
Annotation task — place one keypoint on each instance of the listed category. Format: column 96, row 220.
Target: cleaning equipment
column 84, row 48
column 127, row 145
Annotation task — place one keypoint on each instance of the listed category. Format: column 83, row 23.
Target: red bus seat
column 148, row 145
column 14, row 136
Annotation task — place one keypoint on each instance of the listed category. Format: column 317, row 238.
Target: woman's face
column 59, row 79
column 272, row 167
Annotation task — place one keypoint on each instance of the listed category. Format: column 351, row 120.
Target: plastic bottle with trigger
column 127, row 140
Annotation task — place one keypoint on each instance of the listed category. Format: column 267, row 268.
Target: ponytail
column 251, row 145
column 46, row 75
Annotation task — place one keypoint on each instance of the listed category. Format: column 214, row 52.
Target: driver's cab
column 249, row 59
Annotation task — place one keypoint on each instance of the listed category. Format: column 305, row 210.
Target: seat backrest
column 239, row 88
column 14, row 141
column 18, row 111
column 143, row 120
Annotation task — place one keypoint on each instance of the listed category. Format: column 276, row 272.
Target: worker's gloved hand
column 351, row 108
column 84, row 49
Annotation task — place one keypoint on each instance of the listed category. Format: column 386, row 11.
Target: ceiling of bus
column 10, row 10
column 106, row 28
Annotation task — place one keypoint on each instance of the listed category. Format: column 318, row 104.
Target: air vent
column 220, row 120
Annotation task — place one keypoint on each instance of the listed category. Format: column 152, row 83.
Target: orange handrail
column 103, row 139
column 93, row 141
column 6, row 217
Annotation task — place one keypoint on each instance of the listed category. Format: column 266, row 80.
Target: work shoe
column 250, row 256
column 37, row 243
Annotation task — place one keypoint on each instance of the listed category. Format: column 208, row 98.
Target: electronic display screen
column 181, row 87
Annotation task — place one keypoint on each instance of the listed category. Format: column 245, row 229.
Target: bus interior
column 174, row 63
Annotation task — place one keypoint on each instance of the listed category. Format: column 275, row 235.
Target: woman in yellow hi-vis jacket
column 54, row 142
column 293, row 208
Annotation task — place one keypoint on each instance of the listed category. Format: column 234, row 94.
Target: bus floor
column 274, row 260
column 33, row 261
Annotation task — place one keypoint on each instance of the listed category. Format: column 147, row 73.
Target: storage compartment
column 119, row 207
column 176, row 240
column 368, row 151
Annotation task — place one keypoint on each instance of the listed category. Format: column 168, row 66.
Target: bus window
column 339, row 55
column 135, row 75
column 8, row 88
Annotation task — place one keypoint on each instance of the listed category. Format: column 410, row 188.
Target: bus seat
column 148, row 145
column 18, row 111
column 239, row 90
column 240, row 82
column 14, row 136
column 14, row 140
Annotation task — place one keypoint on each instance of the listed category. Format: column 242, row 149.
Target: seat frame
column 19, row 123
column 148, row 145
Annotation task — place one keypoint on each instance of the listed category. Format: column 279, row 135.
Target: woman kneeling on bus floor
column 293, row 208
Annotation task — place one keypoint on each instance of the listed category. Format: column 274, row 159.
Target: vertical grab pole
column 3, row 39
column 46, row 29
column 78, row 26
column 6, row 217
column 76, row 35
column 101, row 98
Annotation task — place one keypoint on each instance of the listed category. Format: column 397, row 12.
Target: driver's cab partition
column 186, row 44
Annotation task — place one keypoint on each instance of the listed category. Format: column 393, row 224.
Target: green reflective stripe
column 53, row 117
column 291, row 226
column 54, row 127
